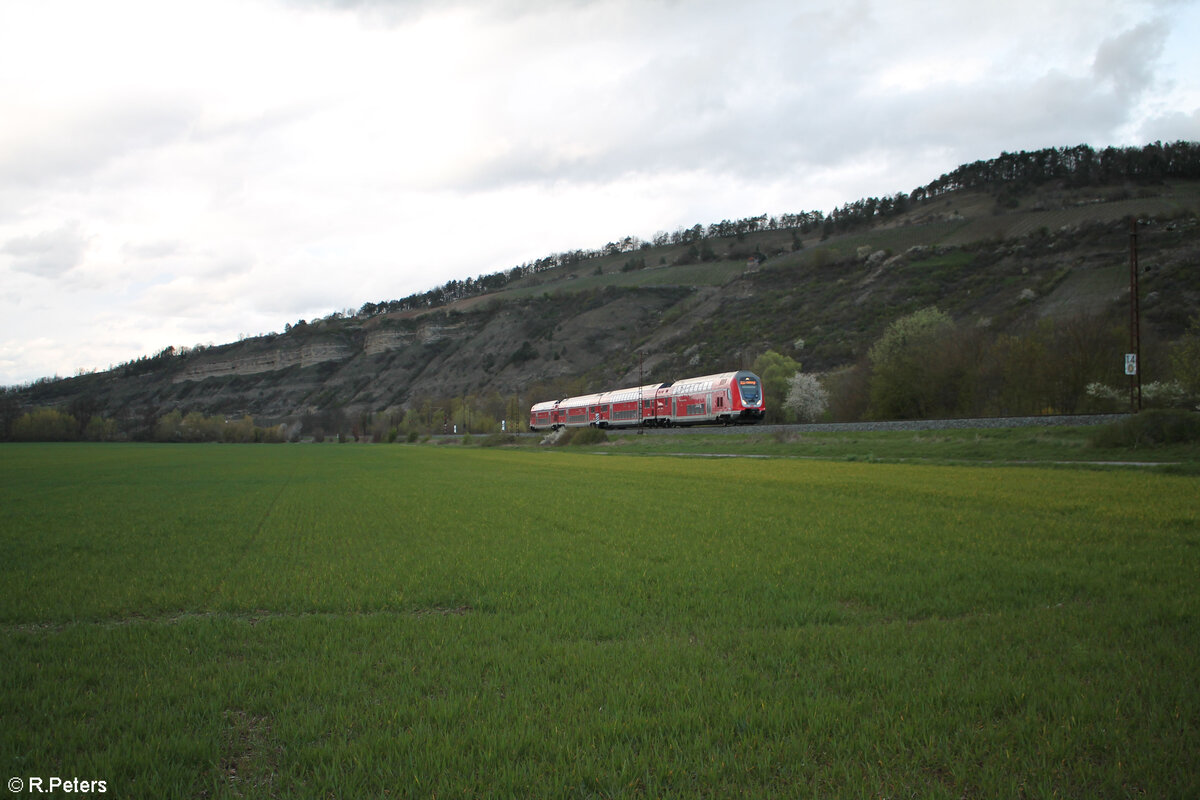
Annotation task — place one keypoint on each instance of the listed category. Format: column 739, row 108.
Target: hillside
column 996, row 261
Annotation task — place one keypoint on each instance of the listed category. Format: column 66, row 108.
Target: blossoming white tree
column 806, row 397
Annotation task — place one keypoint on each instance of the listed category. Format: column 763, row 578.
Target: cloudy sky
column 178, row 172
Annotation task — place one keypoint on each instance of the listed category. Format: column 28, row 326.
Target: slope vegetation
column 1001, row 261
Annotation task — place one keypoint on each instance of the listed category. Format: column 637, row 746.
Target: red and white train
column 731, row 397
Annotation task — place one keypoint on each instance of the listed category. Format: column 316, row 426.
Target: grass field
column 418, row 621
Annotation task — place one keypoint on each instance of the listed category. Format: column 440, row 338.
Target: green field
column 420, row 621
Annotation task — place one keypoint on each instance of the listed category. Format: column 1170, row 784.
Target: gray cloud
column 808, row 92
column 50, row 254
column 1126, row 61
column 1172, row 127
column 80, row 146
column 152, row 250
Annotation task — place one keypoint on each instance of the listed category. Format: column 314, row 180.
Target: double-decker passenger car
column 730, row 397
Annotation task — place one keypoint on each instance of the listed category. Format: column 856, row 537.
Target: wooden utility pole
column 1133, row 359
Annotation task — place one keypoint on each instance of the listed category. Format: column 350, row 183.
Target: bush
column 806, row 397
column 45, row 425
column 1149, row 429
column 579, row 436
column 775, row 370
column 526, row 352
column 912, row 375
column 584, row 436
column 498, row 439
column 100, row 429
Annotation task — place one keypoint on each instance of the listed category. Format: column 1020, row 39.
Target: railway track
column 885, row 425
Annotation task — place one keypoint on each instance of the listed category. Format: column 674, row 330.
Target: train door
column 721, row 405
column 662, row 406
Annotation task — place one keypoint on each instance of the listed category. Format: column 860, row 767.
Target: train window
column 750, row 391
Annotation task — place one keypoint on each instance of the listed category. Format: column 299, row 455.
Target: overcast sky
column 181, row 172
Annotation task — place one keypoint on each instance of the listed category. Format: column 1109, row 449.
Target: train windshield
column 751, row 394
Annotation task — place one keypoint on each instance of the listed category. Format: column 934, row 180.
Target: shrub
column 45, row 425
column 806, row 397
column 1149, row 429
column 556, row 436
column 910, row 376
column 775, row 370
column 585, row 436
column 498, row 439
column 166, row 428
column 526, row 352
column 1162, row 394
column 849, row 392
column 1185, row 359
column 100, row 429
column 579, row 436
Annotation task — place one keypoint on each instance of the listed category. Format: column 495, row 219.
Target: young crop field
column 213, row 621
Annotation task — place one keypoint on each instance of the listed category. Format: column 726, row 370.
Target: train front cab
column 727, row 398
column 746, row 389
column 694, row 401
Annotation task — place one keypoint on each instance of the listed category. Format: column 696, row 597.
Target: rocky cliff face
column 269, row 361
column 385, row 363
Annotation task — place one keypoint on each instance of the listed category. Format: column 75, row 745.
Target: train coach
column 726, row 398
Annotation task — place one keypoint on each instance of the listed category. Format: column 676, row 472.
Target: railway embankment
column 900, row 425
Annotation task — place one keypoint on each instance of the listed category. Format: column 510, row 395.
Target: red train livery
column 731, row 397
